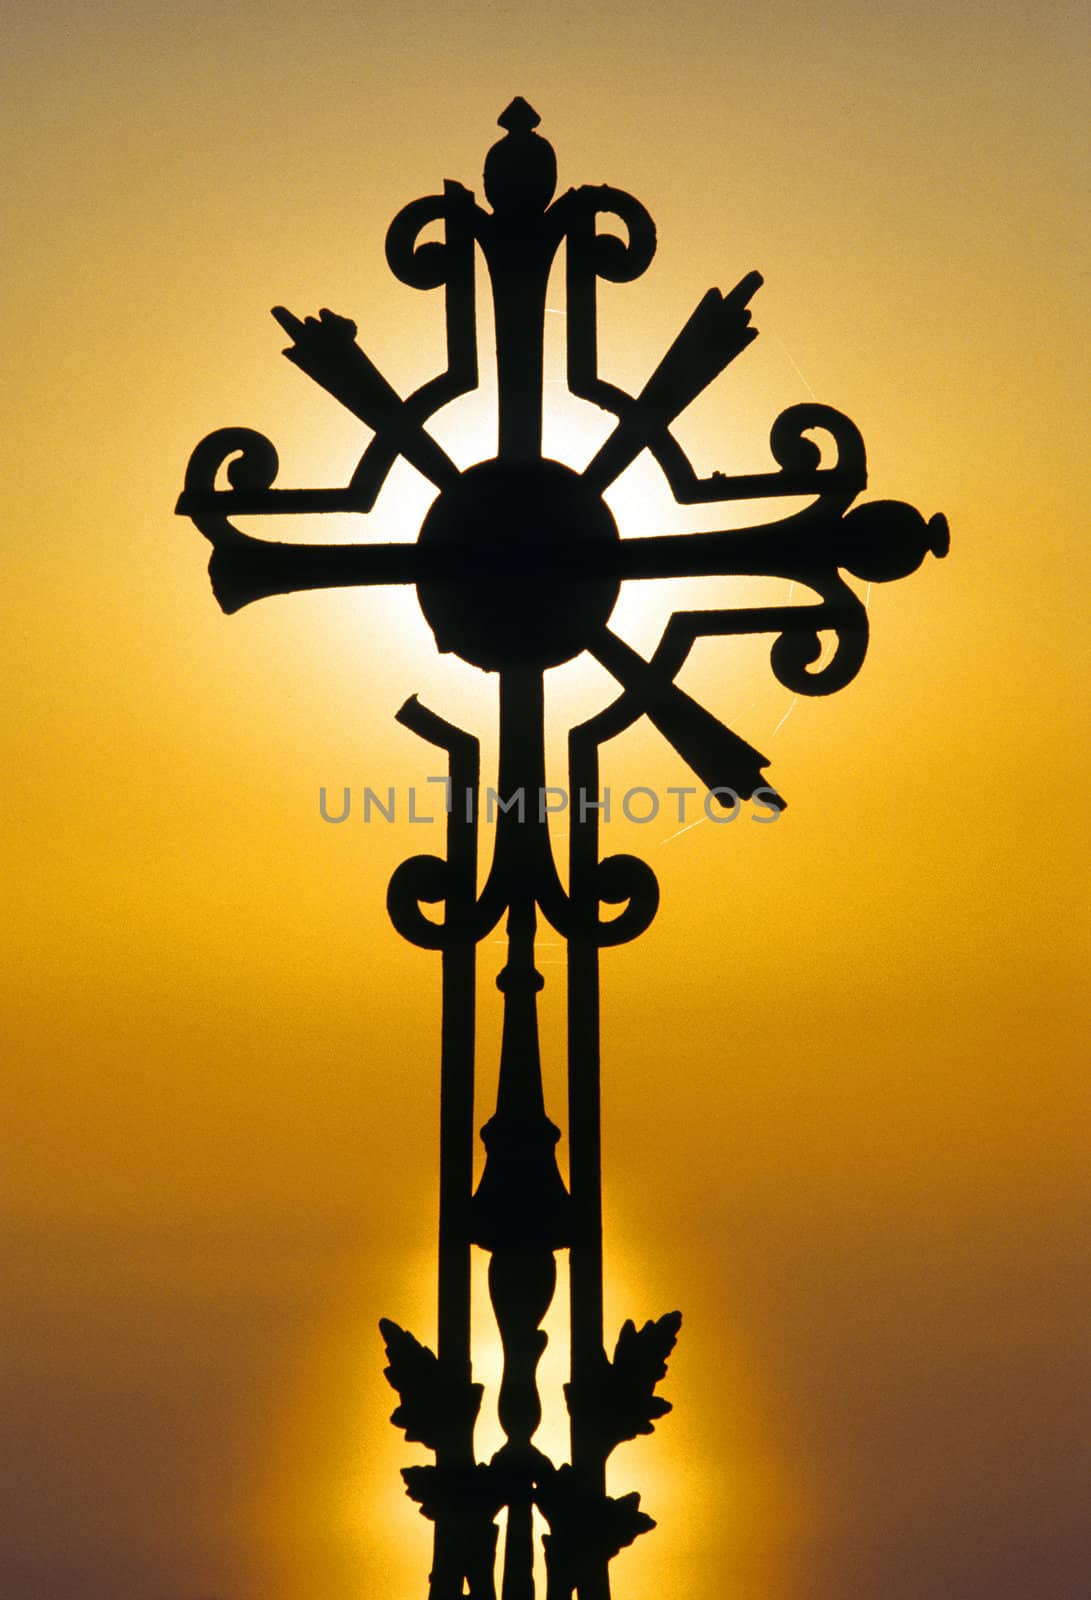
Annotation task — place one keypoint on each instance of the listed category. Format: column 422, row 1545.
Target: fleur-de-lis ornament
column 517, row 566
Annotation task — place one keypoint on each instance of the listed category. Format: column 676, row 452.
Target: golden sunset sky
column 846, row 1115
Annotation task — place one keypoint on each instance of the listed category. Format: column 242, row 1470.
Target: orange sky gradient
column 846, row 1115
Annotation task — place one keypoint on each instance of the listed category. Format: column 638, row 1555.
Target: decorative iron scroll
column 517, row 566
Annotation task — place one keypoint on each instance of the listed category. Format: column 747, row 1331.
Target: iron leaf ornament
column 517, row 566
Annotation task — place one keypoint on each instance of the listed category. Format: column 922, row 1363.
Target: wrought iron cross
column 517, row 567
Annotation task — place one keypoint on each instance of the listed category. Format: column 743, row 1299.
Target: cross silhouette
column 518, row 566
column 518, row 562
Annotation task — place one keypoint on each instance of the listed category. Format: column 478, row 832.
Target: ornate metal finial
column 521, row 169
column 518, row 566
column 518, row 117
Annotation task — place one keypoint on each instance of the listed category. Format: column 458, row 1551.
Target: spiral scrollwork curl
column 422, row 880
column 614, row 259
column 795, row 452
column 794, row 653
column 427, row 265
column 253, row 469
column 622, row 880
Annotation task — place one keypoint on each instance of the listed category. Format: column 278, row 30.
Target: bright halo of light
column 382, row 632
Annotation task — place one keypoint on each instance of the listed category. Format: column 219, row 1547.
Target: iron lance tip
column 747, row 286
column 290, row 323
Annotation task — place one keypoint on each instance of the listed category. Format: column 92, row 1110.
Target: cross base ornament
column 517, row 567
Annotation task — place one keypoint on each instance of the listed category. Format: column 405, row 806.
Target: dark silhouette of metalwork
column 517, row 567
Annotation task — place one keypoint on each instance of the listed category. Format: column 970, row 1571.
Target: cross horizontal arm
column 243, row 569
column 876, row 542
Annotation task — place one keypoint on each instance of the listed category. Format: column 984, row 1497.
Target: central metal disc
column 516, row 597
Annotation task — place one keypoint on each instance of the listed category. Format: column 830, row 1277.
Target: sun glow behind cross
column 518, row 569
column 384, row 632
column 908, row 180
